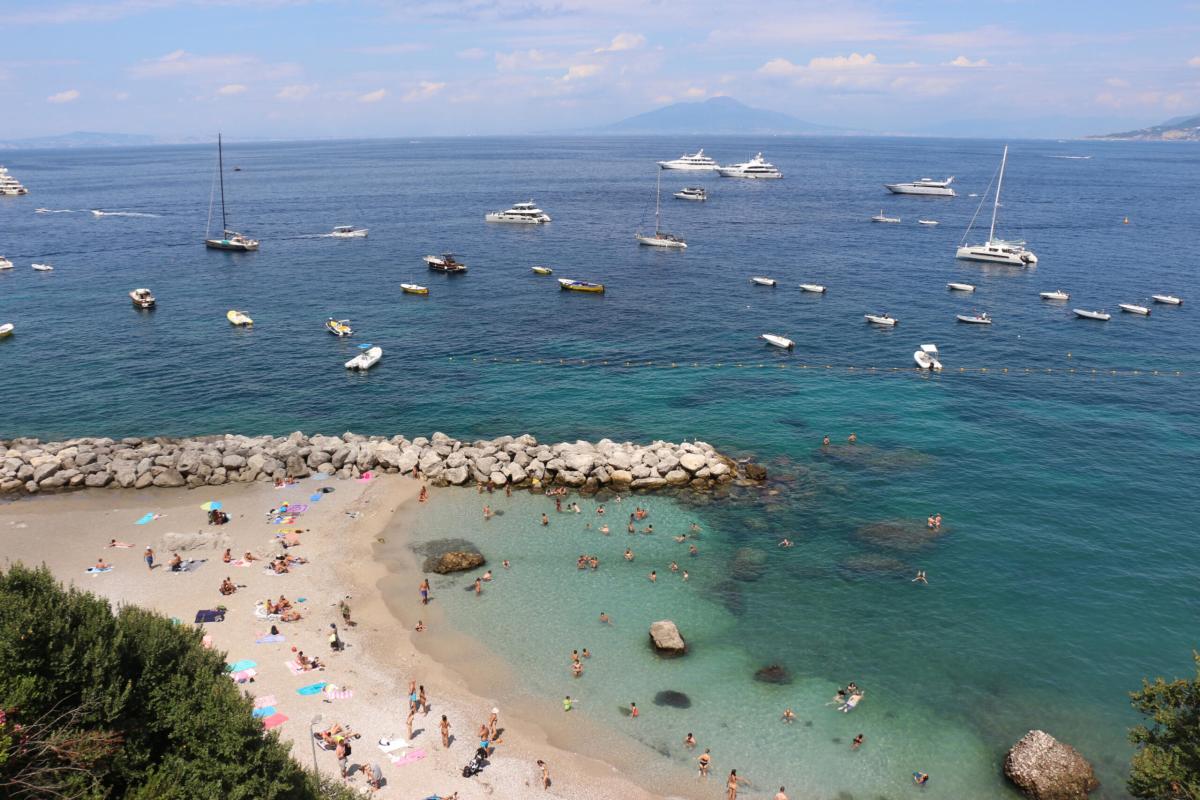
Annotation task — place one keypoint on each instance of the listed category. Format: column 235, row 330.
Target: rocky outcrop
column 773, row 673
column 454, row 561
column 1044, row 768
column 666, row 639
column 28, row 465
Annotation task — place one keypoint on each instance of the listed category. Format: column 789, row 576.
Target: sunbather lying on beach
column 115, row 543
column 249, row 556
column 280, row 566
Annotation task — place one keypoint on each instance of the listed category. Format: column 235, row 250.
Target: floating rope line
column 652, row 364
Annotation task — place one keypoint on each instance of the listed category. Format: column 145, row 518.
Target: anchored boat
column 881, row 319
column 960, row 287
column 927, row 358
column 368, row 358
column 542, row 271
column 568, row 285
column 996, row 250
column 1057, row 294
column 142, row 298
column 1083, row 313
column 239, row 319
column 778, row 341
column 815, row 288
column 414, row 288
column 445, row 263
column 881, row 217
column 230, row 240
column 761, row 281
column 1167, row 299
column 974, row 319
column 660, row 238
column 6, row 330
column 338, row 327
column 1134, row 308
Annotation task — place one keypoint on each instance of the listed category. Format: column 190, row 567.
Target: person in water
column 853, row 437
column 785, row 542
column 920, row 577
column 857, row 743
column 604, row 620
column 789, row 716
column 704, row 759
column 689, row 741
column 825, row 442
column 920, row 778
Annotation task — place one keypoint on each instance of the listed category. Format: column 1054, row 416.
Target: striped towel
column 334, row 693
column 294, row 667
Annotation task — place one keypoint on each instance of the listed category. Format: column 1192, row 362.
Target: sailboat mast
column 221, row 170
column 658, row 203
column 996, row 201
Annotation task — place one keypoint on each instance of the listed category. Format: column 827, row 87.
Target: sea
column 1061, row 452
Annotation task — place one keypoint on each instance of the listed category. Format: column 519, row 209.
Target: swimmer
column 630, row 527
column 653, row 576
column 937, row 521
column 825, row 442
column 680, row 538
column 505, row 564
column 648, row 529
column 695, row 527
column 857, row 743
column 780, row 795
column 685, row 574
column 487, row 512
column 600, row 510
column 785, row 542
column 577, row 669
column 604, row 620
column 704, row 760
column 586, row 654
column 478, row 586
column 692, row 551
column 100, row 564
column 689, row 741
column 852, row 438
column 628, row 554
column 920, row 778
column 604, row 529
column 789, row 716
column 487, row 576
column 920, row 577
column 929, row 523
column 674, row 567
column 545, row 519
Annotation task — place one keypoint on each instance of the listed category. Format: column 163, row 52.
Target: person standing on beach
column 413, row 697
column 408, row 722
column 424, row 590
column 704, row 760
column 149, row 555
column 344, row 608
column 423, row 701
column 567, row 703
column 343, row 755
column 545, row 774
column 445, row 726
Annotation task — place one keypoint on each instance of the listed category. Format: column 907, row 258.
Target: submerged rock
column 666, row 638
column 773, row 673
column 749, row 564
column 672, row 699
column 900, row 534
column 1044, row 768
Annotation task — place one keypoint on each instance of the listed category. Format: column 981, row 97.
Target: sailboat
column 660, row 238
column 996, row 251
column 230, row 240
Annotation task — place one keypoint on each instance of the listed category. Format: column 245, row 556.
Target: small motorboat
column 1167, row 299
column 338, row 327
column 763, row 281
column 1083, row 313
column 881, row 319
column 778, row 341
column 5, row 263
column 974, row 319
column 1134, row 308
column 692, row 193
column 6, row 330
column 368, row 358
column 542, row 271
column 414, row 288
column 927, row 358
column 929, row 222
column 43, row 268
column 348, row 232
column 445, row 263
column 1057, row 294
column 815, row 288
column 881, row 217
column 960, row 287
column 568, row 285
column 142, row 298
column 239, row 319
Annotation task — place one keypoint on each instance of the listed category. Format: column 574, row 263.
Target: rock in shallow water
column 454, row 561
column 666, row 638
column 672, row 699
column 773, row 673
column 1044, row 768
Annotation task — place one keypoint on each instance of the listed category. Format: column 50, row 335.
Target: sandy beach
column 338, row 534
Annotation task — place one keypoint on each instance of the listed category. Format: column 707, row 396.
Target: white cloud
column 803, row 26
column 230, row 89
column 1194, row 62
column 1119, row 83
column 852, row 61
column 963, row 61
column 69, row 96
column 521, row 59
column 581, row 71
column 400, row 48
column 180, row 63
column 472, row 54
column 373, row 97
column 695, row 91
column 623, row 41
column 424, row 91
column 297, row 91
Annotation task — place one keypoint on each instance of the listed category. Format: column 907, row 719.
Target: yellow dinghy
column 568, row 285
column 239, row 318
column 412, row 288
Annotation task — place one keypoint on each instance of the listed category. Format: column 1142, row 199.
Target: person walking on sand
column 545, row 774
column 445, row 727
column 424, row 495
column 493, row 724
column 424, row 590
column 408, row 722
column 149, row 556
column 704, row 760
column 567, row 703
column 343, row 755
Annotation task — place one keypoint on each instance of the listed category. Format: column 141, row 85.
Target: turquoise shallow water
column 1066, row 569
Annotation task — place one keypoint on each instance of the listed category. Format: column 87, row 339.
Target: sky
column 368, row 68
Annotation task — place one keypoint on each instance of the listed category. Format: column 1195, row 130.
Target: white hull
column 726, row 172
column 926, row 361
column 929, row 191
column 1058, row 296
column 6, row 329
column 1097, row 315
column 812, row 287
column 764, row 281
column 656, row 241
column 1133, row 308
column 366, row 359
column 994, row 255
column 359, row 234
column 879, row 319
column 880, row 217
column 778, row 341
column 973, row 320
column 960, row 287
column 43, row 268
column 5, row 263
column 515, row 219
column 1167, row 299
column 687, row 167
column 696, row 198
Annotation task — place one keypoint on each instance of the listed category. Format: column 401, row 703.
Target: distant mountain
column 1177, row 129
column 719, row 115
column 80, row 139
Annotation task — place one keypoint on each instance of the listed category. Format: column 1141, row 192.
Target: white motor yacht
column 960, row 287
column 348, row 232
column 1167, row 299
column 696, row 162
column 881, row 319
column 5, row 263
column 692, row 193
column 926, row 186
column 1057, row 294
column 11, row 187
column 815, row 288
column 995, row 250
column 762, row 281
column 1134, row 308
column 1084, row 313
column 756, row 167
column 520, row 213
column 778, row 341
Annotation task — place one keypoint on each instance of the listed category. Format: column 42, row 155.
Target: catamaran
column 997, row 251
column 660, row 238
column 230, row 240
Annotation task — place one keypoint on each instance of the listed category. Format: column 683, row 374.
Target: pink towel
column 407, row 758
column 294, row 667
column 245, row 676
column 274, row 721
column 264, row 701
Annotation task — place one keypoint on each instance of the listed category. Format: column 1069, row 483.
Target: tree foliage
column 1167, row 763
column 100, row 704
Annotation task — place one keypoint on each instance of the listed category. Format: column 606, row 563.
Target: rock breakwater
column 28, row 466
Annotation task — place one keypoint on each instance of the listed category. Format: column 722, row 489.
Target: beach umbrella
column 211, row 505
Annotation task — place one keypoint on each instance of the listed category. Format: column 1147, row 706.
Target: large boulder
column 1044, row 768
column 170, row 478
column 756, row 472
column 666, row 639
column 456, row 475
column 454, row 561
column 692, row 462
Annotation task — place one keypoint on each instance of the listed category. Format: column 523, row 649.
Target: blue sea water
column 1066, row 569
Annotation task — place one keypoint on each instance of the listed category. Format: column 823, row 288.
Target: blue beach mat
column 271, row 639
column 147, row 518
column 95, row 571
column 314, row 688
column 210, row 615
column 314, row 497
column 238, row 666
column 264, row 712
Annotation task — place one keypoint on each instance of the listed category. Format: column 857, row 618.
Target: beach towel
column 239, row 562
column 122, row 545
column 408, row 758
column 274, row 721
column 297, row 508
column 209, row 615
column 95, row 571
column 314, row 688
column 260, row 611
column 265, row 711
column 245, row 676
column 294, row 667
column 392, row 745
column 284, row 520
column 272, row 638
column 312, row 498
column 332, row 692
column 191, row 565
column 147, row 518
column 238, row 666
column 264, row 701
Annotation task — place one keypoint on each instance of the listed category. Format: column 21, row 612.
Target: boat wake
column 98, row 213
column 55, row 211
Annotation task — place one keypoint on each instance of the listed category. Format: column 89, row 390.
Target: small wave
column 54, row 211
column 98, row 213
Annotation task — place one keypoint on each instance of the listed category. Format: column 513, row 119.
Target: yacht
column 520, row 213
column 881, row 217
column 445, row 263
column 756, row 167
column 348, row 232
column 696, row 162
column 924, row 186
column 692, row 193
column 660, row 238
column 10, row 186
column 230, row 240
column 996, row 250
column 142, row 298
